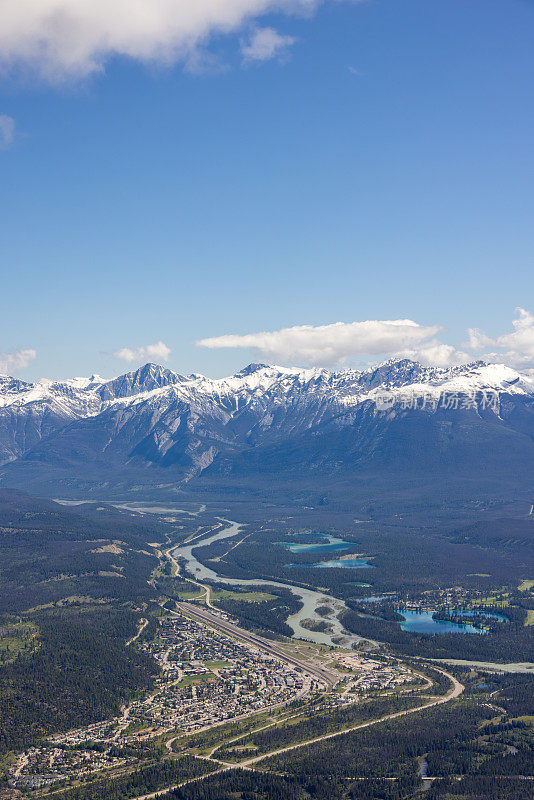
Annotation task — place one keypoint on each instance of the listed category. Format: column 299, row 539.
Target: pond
column 342, row 563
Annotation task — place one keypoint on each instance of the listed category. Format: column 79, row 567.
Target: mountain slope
column 271, row 421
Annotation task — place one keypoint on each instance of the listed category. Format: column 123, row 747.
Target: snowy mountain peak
column 145, row 379
column 250, row 369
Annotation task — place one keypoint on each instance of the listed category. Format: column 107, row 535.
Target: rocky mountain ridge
column 267, row 418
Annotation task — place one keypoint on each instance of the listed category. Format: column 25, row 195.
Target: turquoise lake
column 332, row 545
column 345, row 563
column 424, row 622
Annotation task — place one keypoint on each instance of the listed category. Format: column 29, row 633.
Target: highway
column 455, row 691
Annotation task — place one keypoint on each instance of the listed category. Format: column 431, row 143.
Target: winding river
column 309, row 598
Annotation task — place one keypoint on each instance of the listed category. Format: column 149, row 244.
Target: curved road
column 142, row 625
column 454, row 692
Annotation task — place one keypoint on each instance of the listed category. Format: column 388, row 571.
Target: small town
column 206, row 678
column 371, row 675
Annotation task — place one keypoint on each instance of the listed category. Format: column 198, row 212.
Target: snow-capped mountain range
column 155, row 417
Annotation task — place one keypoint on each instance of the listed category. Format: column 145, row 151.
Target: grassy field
column 217, row 664
column 252, row 597
column 499, row 599
column 224, row 594
column 17, row 638
column 6, row 762
column 526, row 586
column 193, row 595
column 136, row 726
column 189, row 679
column 530, row 617
column 309, row 650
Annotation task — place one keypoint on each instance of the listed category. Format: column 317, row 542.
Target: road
column 207, row 589
column 142, row 625
column 123, row 721
column 320, row 674
column 169, row 743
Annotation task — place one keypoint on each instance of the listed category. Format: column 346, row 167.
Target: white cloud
column 517, row 347
column 73, row 38
column 326, row 345
column 158, row 351
column 478, row 340
column 435, row 354
column 16, row 360
column 7, row 131
column 264, row 44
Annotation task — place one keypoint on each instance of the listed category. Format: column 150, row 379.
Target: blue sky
column 379, row 166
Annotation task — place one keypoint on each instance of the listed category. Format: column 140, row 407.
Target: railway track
column 322, row 675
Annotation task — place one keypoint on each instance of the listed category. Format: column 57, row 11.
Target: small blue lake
column 331, row 545
column 424, row 622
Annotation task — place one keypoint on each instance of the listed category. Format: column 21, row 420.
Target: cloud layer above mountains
column 16, row 360
column 149, row 352
column 328, row 345
column 73, row 38
column 354, row 343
